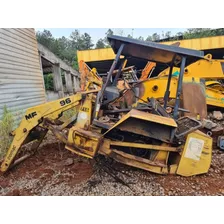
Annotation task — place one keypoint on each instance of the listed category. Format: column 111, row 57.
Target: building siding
column 21, row 79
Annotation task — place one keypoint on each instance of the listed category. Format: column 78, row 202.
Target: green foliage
column 141, row 38
column 155, row 37
column 196, row 33
column 45, row 38
column 202, row 32
column 63, row 78
column 149, row 38
column 68, row 114
column 81, row 42
column 103, row 42
column 6, row 126
column 66, row 48
column 75, row 64
column 108, row 33
column 168, row 34
column 120, row 32
column 48, row 81
column 100, row 43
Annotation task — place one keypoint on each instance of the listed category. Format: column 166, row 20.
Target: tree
column 168, row 34
column 86, row 41
column 45, row 38
column 179, row 34
column 57, row 48
column 66, row 48
column 108, row 33
column 81, row 42
column 155, row 37
column 48, row 81
column 149, row 38
column 129, row 36
column 141, row 38
column 75, row 37
column 100, row 43
column 202, row 32
column 120, row 32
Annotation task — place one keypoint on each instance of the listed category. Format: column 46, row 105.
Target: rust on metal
column 194, row 100
column 138, row 159
column 144, row 146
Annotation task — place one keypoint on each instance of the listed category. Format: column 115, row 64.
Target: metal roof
column 151, row 51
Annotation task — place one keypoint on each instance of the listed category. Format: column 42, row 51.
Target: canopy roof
column 152, row 51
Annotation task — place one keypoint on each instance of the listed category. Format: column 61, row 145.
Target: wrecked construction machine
column 208, row 70
column 136, row 132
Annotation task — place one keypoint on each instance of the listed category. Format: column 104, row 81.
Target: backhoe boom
column 33, row 120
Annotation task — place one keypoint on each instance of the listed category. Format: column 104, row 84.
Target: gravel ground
column 56, row 171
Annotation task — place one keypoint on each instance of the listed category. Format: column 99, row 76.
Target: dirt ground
column 56, row 171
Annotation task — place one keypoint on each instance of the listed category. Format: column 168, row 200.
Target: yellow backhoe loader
column 209, row 70
column 140, row 134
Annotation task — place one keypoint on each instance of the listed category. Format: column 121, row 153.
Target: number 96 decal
column 66, row 101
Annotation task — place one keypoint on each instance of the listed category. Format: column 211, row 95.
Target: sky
column 97, row 33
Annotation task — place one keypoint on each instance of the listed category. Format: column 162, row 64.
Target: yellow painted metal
column 214, row 93
column 196, row 156
column 80, row 140
column 87, row 143
column 215, row 85
column 96, row 55
column 89, row 77
column 214, row 97
column 156, row 87
column 160, row 156
column 198, row 44
column 146, row 71
column 173, row 169
column 83, row 143
column 32, row 118
column 131, row 160
column 84, row 115
column 144, row 146
column 207, row 69
column 124, row 64
column 147, row 117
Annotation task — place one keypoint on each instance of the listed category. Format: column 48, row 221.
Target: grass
column 6, row 126
column 68, row 114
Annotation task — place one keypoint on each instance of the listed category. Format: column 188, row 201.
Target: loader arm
column 206, row 68
column 147, row 70
column 89, row 77
column 150, row 66
column 32, row 124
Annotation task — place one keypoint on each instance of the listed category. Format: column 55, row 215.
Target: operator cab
column 150, row 51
